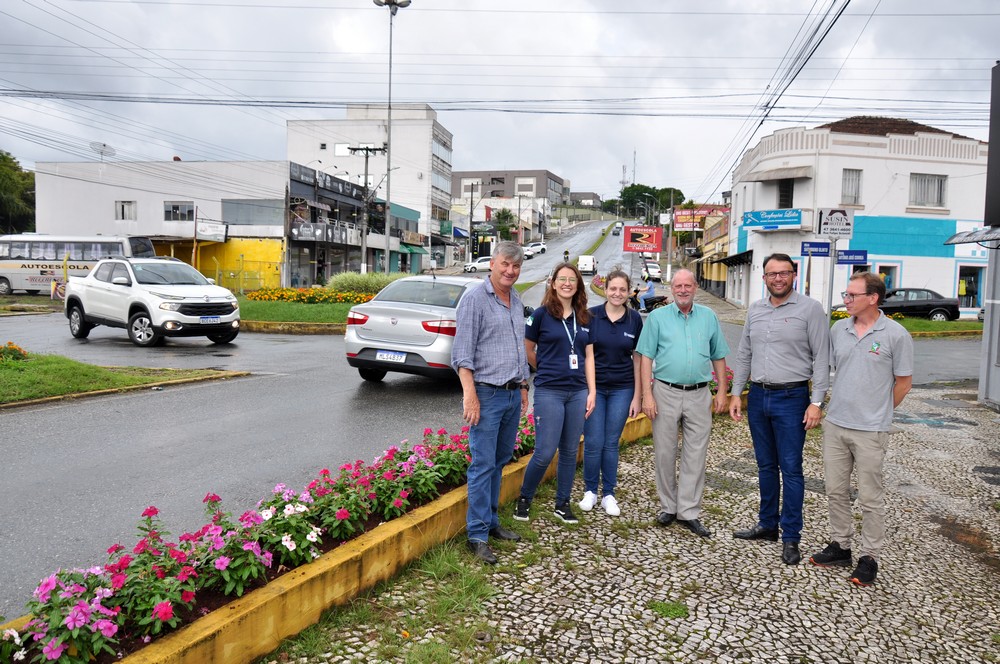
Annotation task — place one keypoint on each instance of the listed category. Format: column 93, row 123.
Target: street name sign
column 852, row 256
column 818, row 249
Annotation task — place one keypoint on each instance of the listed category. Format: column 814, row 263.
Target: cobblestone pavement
column 627, row 590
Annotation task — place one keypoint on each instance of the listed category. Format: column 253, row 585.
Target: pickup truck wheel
column 373, row 375
column 5, row 288
column 222, row 337
column 939, row 315
column 140, row 330
column 78, row 325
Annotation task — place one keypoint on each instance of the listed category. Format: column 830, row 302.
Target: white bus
column 33, row 261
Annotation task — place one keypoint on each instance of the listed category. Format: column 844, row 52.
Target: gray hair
column 509, row 249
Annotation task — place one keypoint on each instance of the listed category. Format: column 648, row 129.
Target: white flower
column 289, row 509
column 288, row 542
column 299, row 507
column 267, row 514
column 312, row 537
column 20, row 654
column 9, row 634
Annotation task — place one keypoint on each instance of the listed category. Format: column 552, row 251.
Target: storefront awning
column 460, row 232
column 978, row 235
column 742, row 258
column 787, row 173
column 413, row 248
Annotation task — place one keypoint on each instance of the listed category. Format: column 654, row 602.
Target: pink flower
column 250, row 518
column 106, row 627
column 187, row 596
column 114, row 548
column 397, row 503
column 343, row 514
column 442, row 431
column 211, row 498
column 53, row 649
column 222, row 562
column 150, row 511
column 387, row 475
column 186, row 573
column 117, row 581
column 47, row 585
column 428, row 431
column 404, row 494
column 163, row 611
column 75, row 619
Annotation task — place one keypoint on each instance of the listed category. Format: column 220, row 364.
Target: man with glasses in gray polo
column 785, row 346
column 872, row 357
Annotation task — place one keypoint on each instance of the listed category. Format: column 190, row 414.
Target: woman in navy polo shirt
column 615, row 331
column 558, row 343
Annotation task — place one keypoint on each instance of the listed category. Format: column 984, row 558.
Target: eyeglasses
column 784, row 274
column 566, row 280
column 850, row 297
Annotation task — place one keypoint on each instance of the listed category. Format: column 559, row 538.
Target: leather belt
column 781, row 386
column 686, row 388
column 509, row 385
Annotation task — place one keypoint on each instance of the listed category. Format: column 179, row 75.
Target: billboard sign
column 644, row 238
column 835, row 223
column 773, row 220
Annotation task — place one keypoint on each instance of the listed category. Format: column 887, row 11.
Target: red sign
column 644, row 238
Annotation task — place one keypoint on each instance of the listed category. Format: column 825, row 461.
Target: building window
column 125, row 211
column 341, row 150
column 785, row 188
column 322, row 146
column 178, row 211
column 928, row 190
column 850, row 188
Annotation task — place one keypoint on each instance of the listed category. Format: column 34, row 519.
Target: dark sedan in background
column 918, row 303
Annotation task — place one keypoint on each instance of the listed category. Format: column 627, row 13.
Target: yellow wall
column 239, row 264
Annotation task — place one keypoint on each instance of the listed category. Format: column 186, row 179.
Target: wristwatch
column 524, row 385
column 818, row 404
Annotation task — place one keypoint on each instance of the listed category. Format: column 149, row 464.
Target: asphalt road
column 76, row 474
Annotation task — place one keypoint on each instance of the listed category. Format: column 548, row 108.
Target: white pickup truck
column 152, row 298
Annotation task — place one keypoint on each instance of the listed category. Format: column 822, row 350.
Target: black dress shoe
column 482, row 551
column 501, row 533
column 694, row 525
column 790, row 553
column 665, row 518
column 758, row 532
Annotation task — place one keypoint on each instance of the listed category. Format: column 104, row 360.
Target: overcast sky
column 661, row 92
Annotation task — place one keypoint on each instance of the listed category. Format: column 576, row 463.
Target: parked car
column 409, row 327
column 651, row 270
column 481, row 263
column 528, row 253
column 981, row 315
column 586, row 264
column 152, row 298
column 537, row 247
column 918, row 303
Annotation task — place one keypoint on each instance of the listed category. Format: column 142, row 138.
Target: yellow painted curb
column 277, row 327
column 255, row 624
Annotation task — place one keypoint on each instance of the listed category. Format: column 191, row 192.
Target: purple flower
column 222, row 562
column 75, row 619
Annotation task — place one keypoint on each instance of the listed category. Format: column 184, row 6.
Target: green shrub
column 355, row 282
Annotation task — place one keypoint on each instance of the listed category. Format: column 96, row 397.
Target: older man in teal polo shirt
column 680, row 345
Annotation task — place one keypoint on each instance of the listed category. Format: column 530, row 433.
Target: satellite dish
column 102, row 149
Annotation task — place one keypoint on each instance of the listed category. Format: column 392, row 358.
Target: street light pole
column 394, row 6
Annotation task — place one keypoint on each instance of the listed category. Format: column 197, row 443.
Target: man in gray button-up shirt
column 785, row 345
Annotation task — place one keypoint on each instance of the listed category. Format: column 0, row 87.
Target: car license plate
column 209, row 320
column 390, row 356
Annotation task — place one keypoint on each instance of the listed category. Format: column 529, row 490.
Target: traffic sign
column 835, row 223
column 819, row 249
column 852, row 256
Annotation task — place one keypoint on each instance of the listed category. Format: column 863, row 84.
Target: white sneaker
column 588, row 502
column 610, row 505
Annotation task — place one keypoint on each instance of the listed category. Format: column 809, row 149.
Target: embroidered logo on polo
column 875, row 346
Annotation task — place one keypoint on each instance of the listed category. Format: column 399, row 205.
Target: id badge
column 574, row 361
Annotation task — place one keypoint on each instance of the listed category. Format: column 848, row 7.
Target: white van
column 586, row 264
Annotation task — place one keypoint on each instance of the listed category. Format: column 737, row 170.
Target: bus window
column 4, row 249
column 18, row 249
column 141, row 247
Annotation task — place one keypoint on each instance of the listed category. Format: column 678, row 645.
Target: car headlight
column 170, row 306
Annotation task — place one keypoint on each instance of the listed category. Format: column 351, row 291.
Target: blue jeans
column 601, row 433
column 779, row 435
column 491, row 444
column 559, row 417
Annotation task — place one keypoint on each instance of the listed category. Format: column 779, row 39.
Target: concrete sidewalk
column 627, row 590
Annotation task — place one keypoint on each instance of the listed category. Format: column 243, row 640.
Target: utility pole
column 368, row 152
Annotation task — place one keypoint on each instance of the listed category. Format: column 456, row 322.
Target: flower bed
column 104, row 612
column 316, row 295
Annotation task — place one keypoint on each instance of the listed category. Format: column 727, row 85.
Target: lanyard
column 572, row 339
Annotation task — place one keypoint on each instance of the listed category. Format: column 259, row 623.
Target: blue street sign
column 773, row 220
column 852, row 256
column 820, row 249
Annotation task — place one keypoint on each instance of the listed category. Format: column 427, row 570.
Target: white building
column 910, row 187
column 420, row 156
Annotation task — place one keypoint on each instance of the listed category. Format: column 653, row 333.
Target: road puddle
column 933, row 420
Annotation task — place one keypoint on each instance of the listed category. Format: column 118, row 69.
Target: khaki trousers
column 843, row 451
column 691, row 412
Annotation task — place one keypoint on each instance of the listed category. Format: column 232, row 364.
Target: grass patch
column 296, row 312
column 669, row 609
column 41, row 376
column 520, row 287
column 924, row 325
